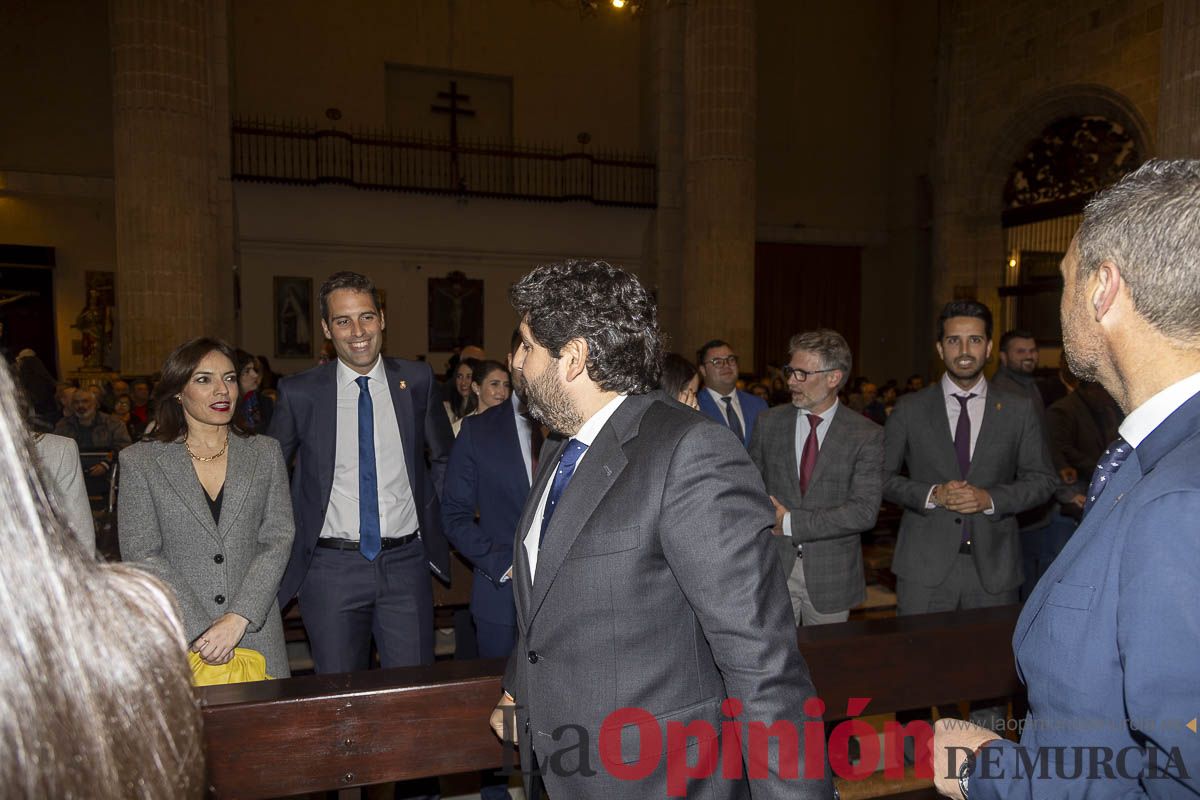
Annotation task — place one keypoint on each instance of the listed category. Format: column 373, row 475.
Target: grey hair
column 830, row 345
column 1148, row 224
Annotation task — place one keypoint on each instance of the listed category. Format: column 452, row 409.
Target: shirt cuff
column 929, row 498
column 787, row 524
column 991, row 509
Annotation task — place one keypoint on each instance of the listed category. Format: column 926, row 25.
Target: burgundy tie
column 962, row 449
column 808, row 458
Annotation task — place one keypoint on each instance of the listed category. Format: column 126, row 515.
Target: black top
column 214, row 504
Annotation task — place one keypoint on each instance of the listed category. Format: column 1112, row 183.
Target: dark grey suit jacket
column 658, row 588
column 1010, row 461
column 842, row 500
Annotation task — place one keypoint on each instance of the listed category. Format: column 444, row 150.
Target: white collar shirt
column 1142, row 421
column 397, row 509
column 735, row 404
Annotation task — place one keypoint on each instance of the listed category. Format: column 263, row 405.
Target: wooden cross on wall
column 455, row 111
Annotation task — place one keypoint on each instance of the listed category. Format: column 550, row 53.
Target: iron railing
column 302, row 154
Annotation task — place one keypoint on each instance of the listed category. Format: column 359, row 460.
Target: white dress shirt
column 975, row 409
column 1142, row 421
column 397, row 509
column 587, row 434
column 736, row 405
column 803, row 426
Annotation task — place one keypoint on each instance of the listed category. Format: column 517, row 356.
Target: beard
column 548, row 403
column 1083, row 351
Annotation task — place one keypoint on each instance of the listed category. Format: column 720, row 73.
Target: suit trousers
column 346, row 600
column 961, row 589
column 802, row 607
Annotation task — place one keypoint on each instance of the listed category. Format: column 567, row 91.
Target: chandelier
column 627, row 6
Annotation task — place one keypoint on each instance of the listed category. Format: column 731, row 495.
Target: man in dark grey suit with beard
column 645, row 573
column 823, row 467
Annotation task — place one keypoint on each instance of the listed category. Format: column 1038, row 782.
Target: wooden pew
column 326, row 732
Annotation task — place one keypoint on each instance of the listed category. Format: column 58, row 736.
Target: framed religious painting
column 293, row 319
column 455, row 312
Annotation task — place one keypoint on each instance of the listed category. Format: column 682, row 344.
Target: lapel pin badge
column 999, row 406
column 607, row 471
column 403, row 385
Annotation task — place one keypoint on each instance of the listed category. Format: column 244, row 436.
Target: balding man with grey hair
column 823, row 467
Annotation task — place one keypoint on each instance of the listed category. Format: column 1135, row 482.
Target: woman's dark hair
column 461, row 406
column 169, row 423
column 606, row 307
column 242, row 359
column 479, row 373
column 677, row 371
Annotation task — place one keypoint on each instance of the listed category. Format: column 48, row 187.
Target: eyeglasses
column 721, row 362
column 802, row 374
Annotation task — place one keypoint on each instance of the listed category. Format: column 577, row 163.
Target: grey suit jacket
column 658, row 588
column 165, row 526
column 1010, row 462
column 63, row 476
column 842, row 500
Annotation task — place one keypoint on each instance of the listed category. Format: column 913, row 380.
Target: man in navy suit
column 1108, row 643
column 368, row 526
column 491, row 469
column 720, row 398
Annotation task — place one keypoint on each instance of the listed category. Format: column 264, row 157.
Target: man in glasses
column 823, row 467
column 720, row 398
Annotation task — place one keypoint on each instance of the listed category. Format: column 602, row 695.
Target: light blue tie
column 368, row 481
column 562, row 476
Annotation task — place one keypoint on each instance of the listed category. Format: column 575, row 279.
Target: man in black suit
column 645, row 575
column 367, row 518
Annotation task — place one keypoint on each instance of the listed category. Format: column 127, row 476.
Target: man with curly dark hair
column 645, row 575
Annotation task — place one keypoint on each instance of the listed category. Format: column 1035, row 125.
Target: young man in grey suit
column 976, row 458
column 645, row 573
column 823, row 467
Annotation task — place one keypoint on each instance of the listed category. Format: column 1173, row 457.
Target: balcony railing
column 300, row 154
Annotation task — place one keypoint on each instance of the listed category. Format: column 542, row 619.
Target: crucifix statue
column 455, row 111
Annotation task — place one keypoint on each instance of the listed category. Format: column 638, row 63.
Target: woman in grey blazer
column 204, row 506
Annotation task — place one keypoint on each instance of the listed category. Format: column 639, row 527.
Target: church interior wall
column 402, row 240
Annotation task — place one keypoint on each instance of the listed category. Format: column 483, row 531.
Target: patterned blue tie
column 562, row 476
column 368, row 481
column 735, row 424
column 1108, row 466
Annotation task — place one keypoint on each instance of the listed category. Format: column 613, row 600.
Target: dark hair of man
column 479, row 373
column 1016, row 333
column 1148, row 224
column 606, row 307
column 95, row 694
column 964, row 308
column 346, row 280
column 169, row 422
column 830, row 346
column 702, row 353
column 139, row 382
column 677, row 372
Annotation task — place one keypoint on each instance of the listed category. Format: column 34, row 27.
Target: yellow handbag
column 246, row 665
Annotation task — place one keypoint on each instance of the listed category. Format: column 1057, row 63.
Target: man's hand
column 954, row 733
column 942, row 490
column 504, row 719
column 96, row 470
column 966, row 499
column 1079, row 500
column 780, row 513
column 1068, row 474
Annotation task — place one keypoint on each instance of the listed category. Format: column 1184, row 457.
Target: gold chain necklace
column 213, row 457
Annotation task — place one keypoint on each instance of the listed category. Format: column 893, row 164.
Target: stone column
column 663, row 76
column 170, row 123
column 1179, row 93
column 719, row 204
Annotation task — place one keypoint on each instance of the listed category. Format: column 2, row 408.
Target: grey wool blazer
column 165, row 527
column 1010, row 461
column 62, row 474
column 843, row 499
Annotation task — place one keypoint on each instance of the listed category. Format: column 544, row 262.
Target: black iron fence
column 301, row 154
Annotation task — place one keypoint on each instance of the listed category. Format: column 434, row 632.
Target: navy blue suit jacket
column 305, row 423
column 487, row 473
column 1112, row 633
column 752, row 406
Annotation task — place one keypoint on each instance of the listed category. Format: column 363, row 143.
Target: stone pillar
column 171, row 168
column 719, row 204
column 663, row 252
column 1179, row 93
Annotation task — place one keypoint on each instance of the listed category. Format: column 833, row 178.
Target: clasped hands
column 961, row 497
column 215, row 645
